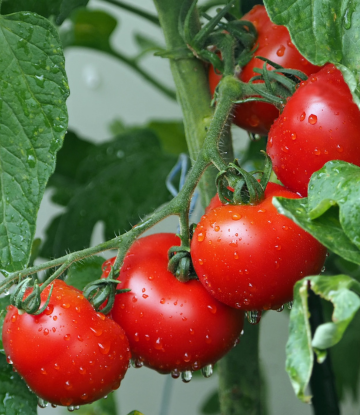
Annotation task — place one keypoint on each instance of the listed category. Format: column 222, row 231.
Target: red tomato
column 319, row 123
column 275, row 44
column 69, row 354
column 171, row 326
column 250, row 257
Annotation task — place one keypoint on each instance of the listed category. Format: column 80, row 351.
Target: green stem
column 142, row 13
column 240, row 386
column 192, row 88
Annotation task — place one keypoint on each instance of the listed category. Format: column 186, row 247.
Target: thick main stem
column 240, row 382
column 192, row 89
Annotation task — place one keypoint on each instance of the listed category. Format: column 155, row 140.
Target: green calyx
column 236, row 186
column 224, row 41
column 31, row 303
column 180, row 263
column 103, row 291
column 277, row 86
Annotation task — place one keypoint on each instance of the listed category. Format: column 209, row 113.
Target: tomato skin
column 170, row 325
column 274, row 44
column 250, row 257
column 69, row 354
column 319, row 123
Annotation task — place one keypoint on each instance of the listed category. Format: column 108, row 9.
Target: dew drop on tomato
column 312, row 119
column 158, row 345
column 68, row 385
column 317, row 152
column 104, row 348
column 236, row 216
column 67, row 337
column 49, row 309
column 339, row 148
column 302, row 116
column 200, row 236
column 207, row 371
column 186, row 357
column 186, row 376
column 175, row 374
column 281, row 51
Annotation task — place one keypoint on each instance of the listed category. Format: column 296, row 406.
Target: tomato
column 171, row 326
column 249, row 256
column 69, row 354
column 275, row 44
column 319, row 123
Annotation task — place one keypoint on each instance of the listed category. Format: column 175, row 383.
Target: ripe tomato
column 319, row 123
column 171, row 326
column 275, row 44
column 250, row 257
column 69, row 354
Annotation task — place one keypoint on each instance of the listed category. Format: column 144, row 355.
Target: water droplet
column 67, row 337
column 66, row 401
column 254, row 120
column 71, row 408
column 200, row 261
column 280, row 52
column 323, row 269
column 254, row 316
column 279, row 310
column 49, row 309
column 207, row 339
column 201, row 236
column 186, row 376
column 68, row 385
column 339, row 148
column 290, row 305
column 53, row 405
column 82, row 371
column 317, row 152
column 207, row 371
column 212, row 308
column 104, row 348
column 43, row 371
column 236, row 216
column 158, row 345
column 98, row 332
column 302, row 116
column 162, row 301
column 175, row 374
column 312, row 119
column 242, row 332
column 186, row 357
column 293, row 136
column 217, row 228
column 137, row 363
column 42, row 403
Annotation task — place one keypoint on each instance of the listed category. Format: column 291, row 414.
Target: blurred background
column 106, row 96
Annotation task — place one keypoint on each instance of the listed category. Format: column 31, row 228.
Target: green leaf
column 64, row 180
column 345, row 360
column 120, row 181
column 301, row 346
column 82, row 273
column 4, row 302
column 61, row 9
column 15, row 397
column 211, row 404
column 89, row 29
column 331, row 211
column 33, row 121
column 323, row 31
column 171, row 135
column 101, row 407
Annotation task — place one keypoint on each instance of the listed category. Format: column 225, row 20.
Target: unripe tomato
column 249, row 256
column 275, row 44
column 69, row 354
column 319, row 123
column 171, row 326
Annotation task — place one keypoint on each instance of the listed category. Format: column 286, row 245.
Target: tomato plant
column 171, row 326
column 319, row 123
column 69, row 354
column 109, row 192
column 250, row 256
column 273, row 43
